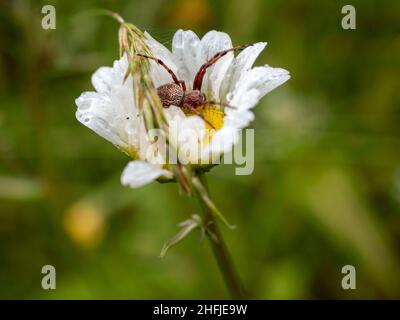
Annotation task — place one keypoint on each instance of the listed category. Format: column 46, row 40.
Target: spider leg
column 173, row 75
column 198, row 80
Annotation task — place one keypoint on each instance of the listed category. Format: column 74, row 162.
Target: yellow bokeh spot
column 189, row 14
column 84, row 223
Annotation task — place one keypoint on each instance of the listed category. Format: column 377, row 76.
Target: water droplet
column 193, row 42
column 230, row 96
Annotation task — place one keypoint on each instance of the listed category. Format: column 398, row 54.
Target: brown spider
column 176, row 94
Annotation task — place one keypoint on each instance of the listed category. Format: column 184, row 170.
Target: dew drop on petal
column 193, row 42
column 230, row 96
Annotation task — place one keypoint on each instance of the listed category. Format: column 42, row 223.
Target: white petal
column 254, row 84
column 212, row 43
column 269, row 79
column 238, row 119
column 111, row 112
column 243, row 101
column 139, row 173
column 223, row 141
column 185, row 48
column 159, row 50
column 186, row 133
column 159, row 74
column 173, row 112
column 217, row 75
column 105, row 78
column 242, row 63
column 95, row 111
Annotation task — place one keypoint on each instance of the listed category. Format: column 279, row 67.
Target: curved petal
column 159, row 75
column 216, row 77
column 262, row 79
column 223, row 141
column 269, row 78
column 212, row 43
column 185, row 48
column 241, row 64
column 238, row 119
column 111, row 111
column 96, row 112
column 105, row 78
column 187, row 133
column 139, row 173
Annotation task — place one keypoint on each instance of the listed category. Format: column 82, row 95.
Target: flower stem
column 221, row 251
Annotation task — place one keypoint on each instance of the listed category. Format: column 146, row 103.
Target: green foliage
column 326, row 187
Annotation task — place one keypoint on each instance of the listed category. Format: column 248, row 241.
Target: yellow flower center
column 213, row 119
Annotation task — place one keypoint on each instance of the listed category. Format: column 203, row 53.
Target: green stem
column 221, row 251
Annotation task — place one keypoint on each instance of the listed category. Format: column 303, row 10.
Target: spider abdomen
column 170, row 94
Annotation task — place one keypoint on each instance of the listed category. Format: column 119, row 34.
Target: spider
column 176, row 93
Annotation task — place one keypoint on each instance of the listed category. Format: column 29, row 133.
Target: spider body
column 176, row 94
column 172, row 94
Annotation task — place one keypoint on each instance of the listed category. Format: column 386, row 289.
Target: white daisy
column 110, row 111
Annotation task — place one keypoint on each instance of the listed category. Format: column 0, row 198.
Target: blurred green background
column 326, row 187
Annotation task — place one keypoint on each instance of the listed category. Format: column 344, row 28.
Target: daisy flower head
column 207, row 98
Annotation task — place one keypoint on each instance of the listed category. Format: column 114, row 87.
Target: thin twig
column 221, row 251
